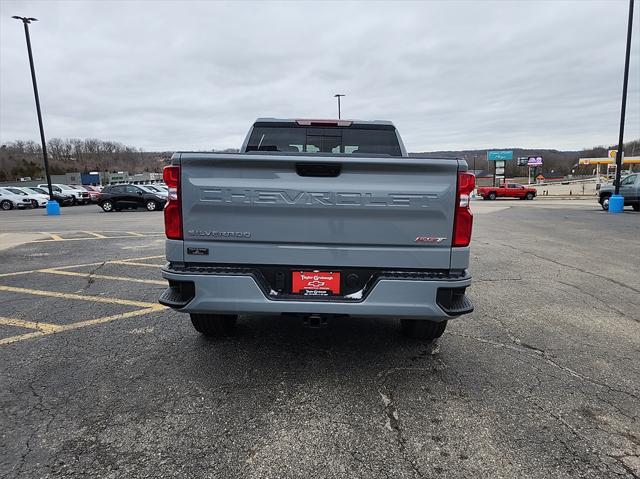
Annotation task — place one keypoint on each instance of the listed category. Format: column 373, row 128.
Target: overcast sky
column 453, row 75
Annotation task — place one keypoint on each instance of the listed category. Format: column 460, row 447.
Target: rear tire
column 107, row 206
column 529, row 196
column 214, row 325
column 636, row 206
column 492, row 196
column 421, row 329
column 604, row 202
column 6, row 205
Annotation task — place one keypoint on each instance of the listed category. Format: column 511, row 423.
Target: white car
column 9, row 200
column 39, row 197
column 79, row 196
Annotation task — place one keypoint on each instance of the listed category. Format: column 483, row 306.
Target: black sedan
column 121, row 197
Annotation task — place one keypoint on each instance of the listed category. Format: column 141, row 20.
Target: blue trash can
column 53, row 208
column 616, row 204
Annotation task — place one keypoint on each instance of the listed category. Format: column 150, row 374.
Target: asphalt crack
column 546, row 357
column 575, row 268
column 392, row 423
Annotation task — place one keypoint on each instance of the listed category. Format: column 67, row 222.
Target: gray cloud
column 194, row 75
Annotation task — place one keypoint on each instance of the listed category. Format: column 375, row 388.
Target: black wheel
column 529, row 196
column 107, row 206
column 214, row 325
column 636, row 206
column 492, row 196
column 604, row 202
column 151, row 205
column 420, row 329
column 6, row 205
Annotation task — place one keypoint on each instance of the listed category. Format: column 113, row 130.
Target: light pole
column 616, row 202
column 53, row 208
column 338, row 95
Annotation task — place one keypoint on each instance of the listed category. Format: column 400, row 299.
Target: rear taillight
column 172, row 210
column 463, row 219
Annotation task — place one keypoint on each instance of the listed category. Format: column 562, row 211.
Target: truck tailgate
column 281, row 210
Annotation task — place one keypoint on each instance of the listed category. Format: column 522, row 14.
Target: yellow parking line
column 80, row 297
column 22, row 337
column 29, row 271
column 20, row 323
column 150, row 265
column 18, row 273
column 143, row 258
column 106, row 319
column 102, row 276
column 71, row 266
column 152, row 235
column 54, row 237
column 82, row 324
column 97, row 235
column 125, row 261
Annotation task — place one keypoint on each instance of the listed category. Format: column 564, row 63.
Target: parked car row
column 10, row 199
column 110, row 198
column 37, row 196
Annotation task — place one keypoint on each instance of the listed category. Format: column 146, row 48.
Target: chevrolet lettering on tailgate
column 313, row 198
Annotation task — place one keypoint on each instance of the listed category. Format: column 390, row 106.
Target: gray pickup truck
column 629, row 189
column 318, row 219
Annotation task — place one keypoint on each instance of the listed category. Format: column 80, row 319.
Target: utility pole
column 616, row 200
column 338, row 95
column 53, row 208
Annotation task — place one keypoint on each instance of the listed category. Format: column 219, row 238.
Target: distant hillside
column 556, row 162
column 24, row 158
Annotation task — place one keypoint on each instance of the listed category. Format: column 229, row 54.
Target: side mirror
column 140, row 193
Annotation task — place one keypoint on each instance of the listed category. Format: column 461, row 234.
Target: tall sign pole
column 624, row 102
column 52, row 204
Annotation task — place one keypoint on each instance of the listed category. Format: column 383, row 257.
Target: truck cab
column 507, row 190
column 629, row 189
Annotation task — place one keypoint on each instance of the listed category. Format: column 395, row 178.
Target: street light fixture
column 53, row 208
column 338, row 95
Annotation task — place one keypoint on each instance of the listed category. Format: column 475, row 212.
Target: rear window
column 351, row 140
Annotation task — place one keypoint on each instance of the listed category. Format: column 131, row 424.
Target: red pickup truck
column 508, row 190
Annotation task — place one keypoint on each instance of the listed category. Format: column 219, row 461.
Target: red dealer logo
column 316, row 281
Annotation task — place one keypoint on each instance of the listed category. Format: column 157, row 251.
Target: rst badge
column 429, row 239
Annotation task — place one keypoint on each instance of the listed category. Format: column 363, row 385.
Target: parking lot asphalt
column 541, row 380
